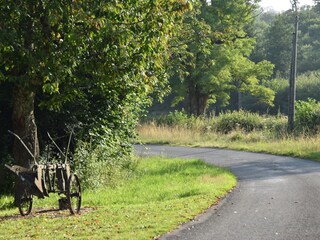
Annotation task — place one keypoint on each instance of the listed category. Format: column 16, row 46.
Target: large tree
column 63, row 51
column 211, row 41
column 247, row 77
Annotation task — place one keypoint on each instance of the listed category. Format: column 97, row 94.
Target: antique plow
column 42, row 179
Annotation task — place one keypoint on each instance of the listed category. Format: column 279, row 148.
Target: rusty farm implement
column 50, row 177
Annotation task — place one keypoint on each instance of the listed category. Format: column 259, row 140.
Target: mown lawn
column 163, row 194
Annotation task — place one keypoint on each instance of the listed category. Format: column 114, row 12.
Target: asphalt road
column 276, row 197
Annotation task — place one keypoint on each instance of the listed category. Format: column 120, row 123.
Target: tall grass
column 240, row 130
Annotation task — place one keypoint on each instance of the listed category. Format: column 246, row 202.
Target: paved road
column 276, row 197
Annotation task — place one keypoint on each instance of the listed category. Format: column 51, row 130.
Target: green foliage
column 281, row 88
column 308, row 86
column 274, row 40
column 308, row 115
column 226, row 123
column 278, row 43
column 105, row 164
column 211, row 59
column 276, row 127
column 258, row 29
column 62, row 44
column 309, row 26
column 238, row 120
column 174, row 118
column 92, row 65
column 247, row 77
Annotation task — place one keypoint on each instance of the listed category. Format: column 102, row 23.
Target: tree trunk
column 24, row 125
column 198, row 101
column 202, row 104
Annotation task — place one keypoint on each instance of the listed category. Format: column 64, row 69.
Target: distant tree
column 247, row 77
column 212, row 40
column 278, row 44
column 274, row 40
column 309, row 45
column 258, row 31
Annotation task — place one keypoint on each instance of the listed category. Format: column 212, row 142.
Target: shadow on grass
column 191, row 167
column 7, row 206
column 50, row 213
column 191, row 193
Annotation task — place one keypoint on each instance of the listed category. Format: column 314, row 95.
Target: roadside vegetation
column 93, row 67
column 162, row 194
column 240, row 130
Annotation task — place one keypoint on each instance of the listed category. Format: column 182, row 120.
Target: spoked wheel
column 74, row 194
column 25, row 203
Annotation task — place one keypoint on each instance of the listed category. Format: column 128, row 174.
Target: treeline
column 273, row 32
column 252, row 71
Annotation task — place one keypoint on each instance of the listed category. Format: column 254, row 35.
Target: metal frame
column 42, row 179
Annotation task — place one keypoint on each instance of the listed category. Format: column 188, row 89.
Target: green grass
column 163, row 194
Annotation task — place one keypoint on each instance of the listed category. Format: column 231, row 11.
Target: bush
column 181, row 119
column 240, row 120
column 308, row 86
column 308, row 115
column 173, row 118
column 276, row 126
column 103, row 164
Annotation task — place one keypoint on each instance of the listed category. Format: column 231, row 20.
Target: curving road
column 276, row 197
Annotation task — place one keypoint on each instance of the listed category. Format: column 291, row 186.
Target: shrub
column 276, row 127
column 241, row 120
column 308, row 86
column 173, row 118
column 308, row 115
column 103, row 164
column 181, row 119
column 228, row 123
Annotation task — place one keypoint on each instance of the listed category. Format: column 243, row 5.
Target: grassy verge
column 163, row 194
column 257, row 141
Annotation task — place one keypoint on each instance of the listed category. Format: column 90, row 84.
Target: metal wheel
column 25, row 203
column 74, row 194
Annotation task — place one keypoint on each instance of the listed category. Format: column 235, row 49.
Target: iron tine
column 29, row 151
column 55, row 144
column 66, row 158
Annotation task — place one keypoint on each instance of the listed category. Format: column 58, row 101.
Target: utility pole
column 293, row 70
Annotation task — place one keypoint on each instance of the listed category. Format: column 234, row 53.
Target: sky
column 282, row 5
